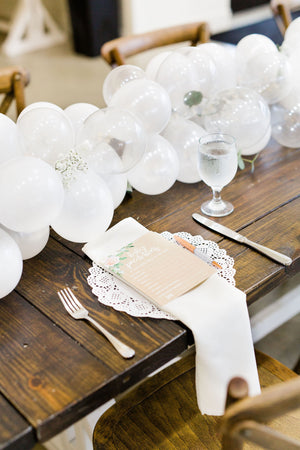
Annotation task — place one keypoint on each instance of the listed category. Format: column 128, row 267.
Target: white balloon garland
column 69, row 168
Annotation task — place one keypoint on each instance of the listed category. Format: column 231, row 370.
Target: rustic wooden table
column 55, row 370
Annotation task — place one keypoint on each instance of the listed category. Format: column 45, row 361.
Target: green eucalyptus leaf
column 192, row 98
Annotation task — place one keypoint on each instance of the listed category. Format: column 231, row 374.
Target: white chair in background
column 30, row 28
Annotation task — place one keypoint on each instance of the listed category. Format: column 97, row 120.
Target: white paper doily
column 111, row 291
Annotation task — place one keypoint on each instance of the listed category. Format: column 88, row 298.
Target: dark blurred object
column 94, row 22
column 239, row 5
column 13, row 80
column 268, row 27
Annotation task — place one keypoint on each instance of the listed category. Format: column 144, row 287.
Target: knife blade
column 279, row 257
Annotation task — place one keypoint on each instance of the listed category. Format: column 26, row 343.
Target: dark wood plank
column 15, row 432
column 43, row 372
column 61, row 380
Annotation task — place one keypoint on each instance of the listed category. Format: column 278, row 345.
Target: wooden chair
column 115, row 52
column 12, row 85
column 162, row 413
column 282, row 14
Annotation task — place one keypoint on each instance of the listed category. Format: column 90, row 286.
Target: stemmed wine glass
column 217, row 164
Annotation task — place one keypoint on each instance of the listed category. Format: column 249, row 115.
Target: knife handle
column 283, row 259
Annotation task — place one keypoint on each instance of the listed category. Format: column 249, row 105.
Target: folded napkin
column 217, row 315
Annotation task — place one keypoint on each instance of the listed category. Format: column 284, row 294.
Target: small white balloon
column 111, row 140
column 223, row 57
column 9, row 143
column 39, row 105
column 46, row 133
column 11, row 264
column 148, row 100
column 78, row 112
column 117, row 184
column 154, row 64
column 31, row 194
column 184, row 136
column 118, row 77
column 242, row 113
column 286, row 125
column 30, row 244
column 87, row 210
column 158, row 169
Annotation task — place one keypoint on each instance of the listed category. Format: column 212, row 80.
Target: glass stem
column 216, row 195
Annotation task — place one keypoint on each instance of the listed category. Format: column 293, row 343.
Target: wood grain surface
column 55, row 370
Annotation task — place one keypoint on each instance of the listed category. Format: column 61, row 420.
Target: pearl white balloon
column 46, row 133
column 205, row 68
column 254, row 44
column 240, row 112
column 158, row 169
column 223, row 57
column 146, row 99
column 9, row 143
column 11, row 264
column 87, row 210
column 39, row 105
column 118, row 77
column 269, row 74
column 117, row 184
column 184, row 136
column 258, row 145
column 286, row 125
column 31, row 194
column 154, row 64
column 30, row 244
column 111, row 140
column 178, row 76
column 78, row 112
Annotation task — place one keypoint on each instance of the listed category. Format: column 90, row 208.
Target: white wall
column 143, row 15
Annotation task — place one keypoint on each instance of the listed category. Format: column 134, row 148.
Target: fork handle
column 122, row 348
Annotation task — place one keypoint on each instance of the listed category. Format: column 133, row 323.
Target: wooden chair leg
column 19, row 85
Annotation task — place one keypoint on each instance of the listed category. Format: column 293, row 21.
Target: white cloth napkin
column 217, row 315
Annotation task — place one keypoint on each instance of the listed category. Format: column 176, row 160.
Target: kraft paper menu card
column 157, row 268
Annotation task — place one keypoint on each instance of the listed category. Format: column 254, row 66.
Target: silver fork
column 77, row 311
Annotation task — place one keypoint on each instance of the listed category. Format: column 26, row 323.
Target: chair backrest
column 12, row 85
column 282, row 15
column 115, row 52
column 244, row 420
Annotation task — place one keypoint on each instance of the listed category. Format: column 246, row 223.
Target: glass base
column 217, row 209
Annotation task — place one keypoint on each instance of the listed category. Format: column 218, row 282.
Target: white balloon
column 9, row 143
column 78, row 112
column 46, row 133
column 259, row 145
column 30, row 244
column 286, row 125
column 148, row 100
column 118, row 77
column 111, row 140
column 117, row 184
column 240, row 112
column 269, row 74
column 158, row 169
column 11, row 264
column 154, row 64
column 39, row 105
column 31, row 194
column 178, row 76
column 254, row 44
column 224, row 59
column 184, row 136
column 87, row 210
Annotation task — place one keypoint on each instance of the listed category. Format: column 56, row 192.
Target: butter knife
column 279, row 257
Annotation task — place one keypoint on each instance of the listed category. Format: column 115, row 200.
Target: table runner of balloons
column 69, row 169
